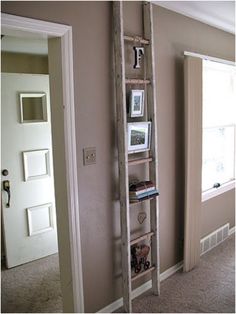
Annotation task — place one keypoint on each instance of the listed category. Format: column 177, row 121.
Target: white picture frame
column 136, row 108
column 138, row 136
column 40, row 219
column 36, row 164
column 38, row 114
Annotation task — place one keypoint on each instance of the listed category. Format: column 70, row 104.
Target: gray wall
column 95, row 126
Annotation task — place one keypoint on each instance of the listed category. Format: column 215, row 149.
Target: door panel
column 30, row 221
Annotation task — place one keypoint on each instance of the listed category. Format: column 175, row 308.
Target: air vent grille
column 214, row 238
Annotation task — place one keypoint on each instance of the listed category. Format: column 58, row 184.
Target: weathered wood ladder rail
column 120, row 83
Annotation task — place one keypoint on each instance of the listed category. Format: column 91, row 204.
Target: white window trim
column 218, row 191
column 205, row 57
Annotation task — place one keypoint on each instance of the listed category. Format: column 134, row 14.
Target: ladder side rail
column 153, row 167
column 122, row 150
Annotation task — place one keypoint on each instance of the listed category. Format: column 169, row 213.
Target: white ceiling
column 220, row 14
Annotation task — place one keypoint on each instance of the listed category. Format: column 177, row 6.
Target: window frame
column 229, row 185
column 213, row 192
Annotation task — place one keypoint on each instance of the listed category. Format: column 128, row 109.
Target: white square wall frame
column 36, row 164
column 40, row 219
column 33, row 107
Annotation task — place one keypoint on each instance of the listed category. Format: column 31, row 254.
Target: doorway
column 28, row 205
column 63, row 136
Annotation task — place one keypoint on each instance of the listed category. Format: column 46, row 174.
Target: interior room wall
column 95, row 127
column 12, row 62
column 218, row 211
column 174, row 34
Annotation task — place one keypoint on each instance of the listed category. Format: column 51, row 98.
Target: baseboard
column 232, row 230
column 143, row 288
column 171, row 271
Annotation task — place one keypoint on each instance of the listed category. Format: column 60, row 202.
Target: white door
column 29, row 220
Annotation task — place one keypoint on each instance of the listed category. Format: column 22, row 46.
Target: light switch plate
column 89, row 155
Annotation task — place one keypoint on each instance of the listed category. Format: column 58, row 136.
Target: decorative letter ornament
column 138, row 52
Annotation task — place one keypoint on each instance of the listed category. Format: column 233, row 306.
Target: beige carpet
column 210, row 288
column 35, row 287
column 32, row 288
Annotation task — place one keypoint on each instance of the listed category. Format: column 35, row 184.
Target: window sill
column 218, row 191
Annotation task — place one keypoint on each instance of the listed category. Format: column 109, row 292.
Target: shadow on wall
column 180, row 155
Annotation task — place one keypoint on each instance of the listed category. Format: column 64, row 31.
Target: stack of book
column 141, row 191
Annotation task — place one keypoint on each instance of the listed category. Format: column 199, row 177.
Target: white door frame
column 12, row 24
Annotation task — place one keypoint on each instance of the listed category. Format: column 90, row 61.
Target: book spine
column 143, row 198
column 146, row 194
column 143, row 191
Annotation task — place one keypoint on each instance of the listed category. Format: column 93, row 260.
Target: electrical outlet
column 89, row 155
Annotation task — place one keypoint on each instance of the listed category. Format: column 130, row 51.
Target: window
column 219, row 128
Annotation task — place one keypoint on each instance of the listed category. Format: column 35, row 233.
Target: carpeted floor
column 209, row 288
column 32, row 288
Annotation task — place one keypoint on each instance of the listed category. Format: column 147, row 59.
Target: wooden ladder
column 121, row 82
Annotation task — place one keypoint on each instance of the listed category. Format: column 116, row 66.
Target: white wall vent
column 214, row 238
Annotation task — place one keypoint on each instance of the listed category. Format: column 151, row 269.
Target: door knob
column 6, row 187
column 5, row 172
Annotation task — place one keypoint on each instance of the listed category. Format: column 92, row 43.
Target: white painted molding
column 143, row 288
column 20, row 26
column 30, row 211
column 171, row 271
column 210, row 58
column 218, row 191
column 12, row 24
column 232, row 230
column 71, row 166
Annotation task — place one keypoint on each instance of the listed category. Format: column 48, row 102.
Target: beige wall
column 174, row 34
column 24, row 63
column 95, row 126
column 218, row 211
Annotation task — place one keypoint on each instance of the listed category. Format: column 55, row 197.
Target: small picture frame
column 136, row 108
column 139, row 136
column 33, row 107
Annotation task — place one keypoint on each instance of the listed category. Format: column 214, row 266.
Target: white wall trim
column 143, row 288
column 12, row 24
column 232, row 230
column 15, row 25
column 210, row 58
column 218, row 191
column 71, row 166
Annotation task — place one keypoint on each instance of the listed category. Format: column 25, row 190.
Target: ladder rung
column 143, row 273
column 136, row 39
column 138, row 161
column 137, row 81
column 145, row 236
